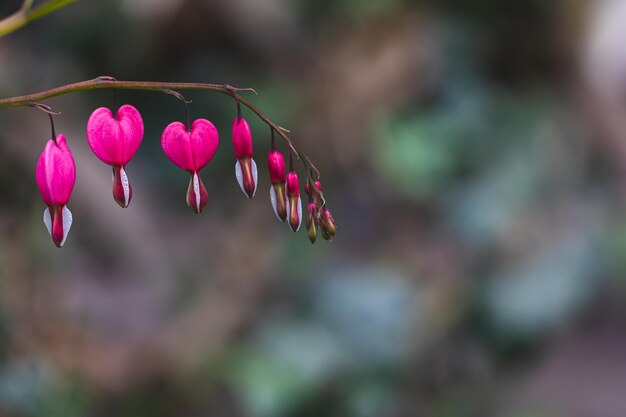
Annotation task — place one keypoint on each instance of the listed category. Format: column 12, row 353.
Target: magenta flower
column 245, row 168
column 115, row 140
column 56, row 175
column 294, row 203
column 278, row 177
column 191, row 150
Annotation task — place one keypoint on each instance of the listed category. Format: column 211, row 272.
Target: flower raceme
column 115, row 140
column 56, row 175
column 245, row 167
column 114, row 136
column 191, row 150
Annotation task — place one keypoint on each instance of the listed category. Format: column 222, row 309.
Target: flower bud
column 276, row 165
column 312, row 217
column 311, row 220
column 115, row 140
column 327, row 224
column 56, row 176
column 245, row 168
column 278, row 177
column 318, row 201
column 318, row 185
column 294, row 203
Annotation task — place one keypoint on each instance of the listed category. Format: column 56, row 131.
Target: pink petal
column 56, row 172
column 204, row 141
column 115, row 141
column 242, row 139
column 193, row 150
column 276, row 165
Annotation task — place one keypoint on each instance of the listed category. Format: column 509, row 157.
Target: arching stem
column 106, row 82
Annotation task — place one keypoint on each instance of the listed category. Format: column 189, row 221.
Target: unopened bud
column 327, row 224
column 294, row 203
column 311, row 220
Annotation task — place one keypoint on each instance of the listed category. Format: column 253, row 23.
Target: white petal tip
column 47, row 220
column 67, row 223
column 196, row 190
column 125, row 186
column 239, row 176
column 274, row 202
column 299, row 213
column 255, row 175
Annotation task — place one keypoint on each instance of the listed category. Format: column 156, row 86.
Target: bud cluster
column 115, row 137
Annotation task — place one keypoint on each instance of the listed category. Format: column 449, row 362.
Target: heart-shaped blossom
column 191, row 150
column 115, row 140
column 294, row 203
column 278, row 177
column 245, row 168
column 56, row 175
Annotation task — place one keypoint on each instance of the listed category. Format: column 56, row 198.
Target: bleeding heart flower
column 56, row 175
column 294, row 203
column 278, row 177
column 245, row 168
column 115, row 140
column 191, row 150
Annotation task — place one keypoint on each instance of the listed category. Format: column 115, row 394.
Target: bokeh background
column 473, row 153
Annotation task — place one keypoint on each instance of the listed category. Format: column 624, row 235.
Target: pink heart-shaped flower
column 190, row 150
column 115, row 140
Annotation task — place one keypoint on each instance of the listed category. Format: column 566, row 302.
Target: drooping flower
column 278, row 177
column 56, row 175
column 294, row 203
column 191, row 150
column 245, row 168
column 115, row 140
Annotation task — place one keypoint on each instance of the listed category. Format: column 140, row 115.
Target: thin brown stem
column 106, row 82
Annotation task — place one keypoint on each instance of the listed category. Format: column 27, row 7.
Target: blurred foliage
column 479, row 265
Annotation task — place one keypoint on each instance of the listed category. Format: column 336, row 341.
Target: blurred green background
column 473, row 154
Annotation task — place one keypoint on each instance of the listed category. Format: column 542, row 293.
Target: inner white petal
column 196, row 190
column 67, row 223
column 125, row 186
